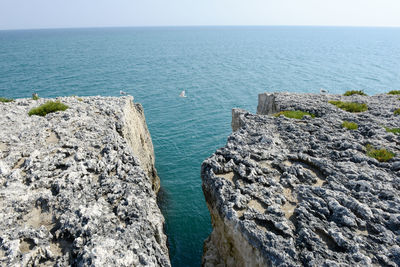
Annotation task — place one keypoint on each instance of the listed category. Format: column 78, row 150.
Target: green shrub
column 394, row 92
column 382, row 155
column 350, row 106
column 79, row 99
column 397, row 112
column 5, row 100
column 392, row 130
column 294, row 114
column 350, row 125
column 354, row 92
column 47, row 107
column 35, row 96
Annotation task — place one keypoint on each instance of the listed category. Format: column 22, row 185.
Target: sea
column 220, row 68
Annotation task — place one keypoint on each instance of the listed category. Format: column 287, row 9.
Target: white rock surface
column 78, row 187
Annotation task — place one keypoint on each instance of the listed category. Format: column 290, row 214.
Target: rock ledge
column 79, row 187
column 287, row 192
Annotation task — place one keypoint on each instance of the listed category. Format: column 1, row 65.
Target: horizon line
column 193, row 26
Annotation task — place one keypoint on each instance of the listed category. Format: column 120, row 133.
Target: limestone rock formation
column 304, row 192
column 78, row 187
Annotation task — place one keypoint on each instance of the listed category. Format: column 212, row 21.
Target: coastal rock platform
column 304, row 192
column 78, row 187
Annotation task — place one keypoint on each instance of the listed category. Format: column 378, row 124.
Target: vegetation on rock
column 47, row 107
column 394, row 92
column 294, row 114
column 350, row 106
column 350, row 125
column 397, row 111
column 382, row 155
column 354, row 92
column 5, row 100
column 392, row 130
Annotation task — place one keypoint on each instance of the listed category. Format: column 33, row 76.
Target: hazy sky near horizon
column 29, row 14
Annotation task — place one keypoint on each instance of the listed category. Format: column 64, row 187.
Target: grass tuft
column 392, row 130
column 350, row 106
column 6, row 100
column 394, row 92
column 382, row 155
column 294, row 114
column 350, row 125
column 79, row 99
column 47, row 108
column 397, row 112
column 354, row 92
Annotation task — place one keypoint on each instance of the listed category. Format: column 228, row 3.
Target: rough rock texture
column 287, row 192
column 267, row 104
column 78, row 187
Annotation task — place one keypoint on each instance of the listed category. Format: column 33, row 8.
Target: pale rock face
column 137, row 135
column 78, row 187
column 267, row 104
column 286, row 192
column 237, row 122
column 227, row 246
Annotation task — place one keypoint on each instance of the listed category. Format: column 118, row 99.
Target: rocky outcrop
column 78, row 187
column 267, row 104
column 303, row 192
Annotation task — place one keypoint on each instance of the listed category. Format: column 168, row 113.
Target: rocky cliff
column 305, row 192
column 78, row 187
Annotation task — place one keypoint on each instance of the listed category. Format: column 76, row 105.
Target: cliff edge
column 305, row 192
column 78, row 187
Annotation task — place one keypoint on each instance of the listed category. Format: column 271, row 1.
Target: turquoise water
column 221, row 68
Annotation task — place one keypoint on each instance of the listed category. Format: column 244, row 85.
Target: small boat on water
column 182, row 94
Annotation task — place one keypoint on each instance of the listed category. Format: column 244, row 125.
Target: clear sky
column 28, row 14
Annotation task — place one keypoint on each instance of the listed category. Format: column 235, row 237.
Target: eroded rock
column 288, row 192
column 78, row 187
